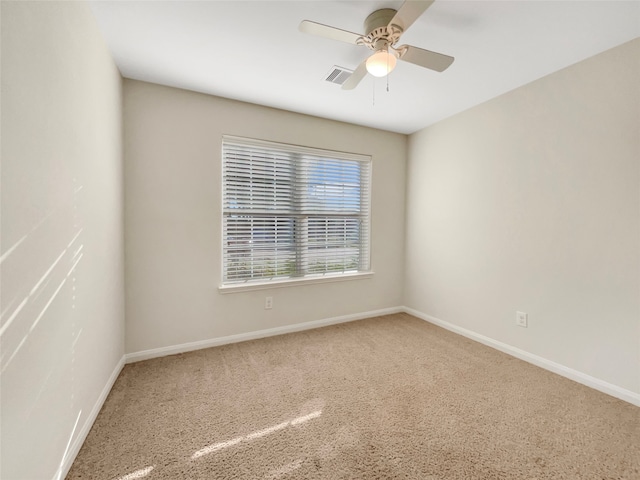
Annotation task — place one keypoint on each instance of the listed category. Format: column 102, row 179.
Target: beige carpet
column 388, row 397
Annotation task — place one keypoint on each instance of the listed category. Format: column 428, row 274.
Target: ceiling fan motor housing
column 380, row 34
column 379, row 18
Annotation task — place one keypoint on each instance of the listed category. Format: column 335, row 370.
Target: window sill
column 291, row 282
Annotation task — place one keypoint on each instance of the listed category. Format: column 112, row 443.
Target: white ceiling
column 252, row 51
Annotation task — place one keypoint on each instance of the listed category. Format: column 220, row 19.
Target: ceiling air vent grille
column 338, row 75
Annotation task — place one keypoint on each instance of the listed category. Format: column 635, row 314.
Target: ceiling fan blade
column 326, row 31
column 409, row 13
column 354, row 79
column 425, row 58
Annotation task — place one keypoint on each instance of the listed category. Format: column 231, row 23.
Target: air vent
column 338, row 75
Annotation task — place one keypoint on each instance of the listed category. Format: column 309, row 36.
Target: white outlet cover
column 522, row 319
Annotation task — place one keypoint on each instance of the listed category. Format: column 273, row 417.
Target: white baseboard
column 242, row 337
column 73, row 450
column 583, row 378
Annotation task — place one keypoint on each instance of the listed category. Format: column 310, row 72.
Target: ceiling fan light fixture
column 381, row 63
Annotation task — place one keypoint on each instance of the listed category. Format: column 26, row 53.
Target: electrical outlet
column 268, row 303
column 522, row 319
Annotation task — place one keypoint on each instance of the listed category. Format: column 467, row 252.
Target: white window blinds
column 292, row 212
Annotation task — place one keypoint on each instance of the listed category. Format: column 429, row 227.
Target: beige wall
column 173, row 218
column 531, row 202
column 62, row 245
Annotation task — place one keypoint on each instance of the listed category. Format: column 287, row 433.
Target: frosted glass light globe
column 381, row 63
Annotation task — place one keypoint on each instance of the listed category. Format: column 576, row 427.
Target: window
column 293, row 212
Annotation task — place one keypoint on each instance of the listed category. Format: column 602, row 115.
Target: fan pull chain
column 388, row 53
column 374, row 92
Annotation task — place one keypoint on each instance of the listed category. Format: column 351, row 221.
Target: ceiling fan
column 384, row 28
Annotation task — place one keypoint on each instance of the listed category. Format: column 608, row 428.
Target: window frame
column 308, row 278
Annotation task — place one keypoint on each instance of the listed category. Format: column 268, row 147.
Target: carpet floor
column 391, row 397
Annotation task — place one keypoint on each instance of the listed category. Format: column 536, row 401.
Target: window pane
column 258, row 248
column 258, row 181
column 292, row 211
column 331, row 185
column 334, row 244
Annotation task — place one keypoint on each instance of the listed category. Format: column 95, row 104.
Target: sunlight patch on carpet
column 143, row 472
column 257, row 434
column 306, row 418
column 267, row 431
